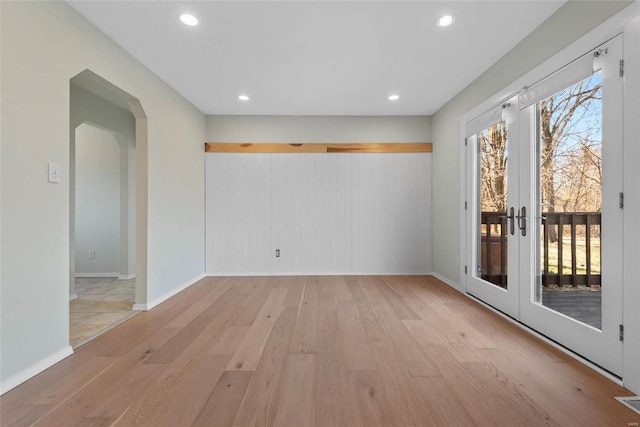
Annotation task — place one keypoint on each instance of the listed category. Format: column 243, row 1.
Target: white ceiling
column 317, row 57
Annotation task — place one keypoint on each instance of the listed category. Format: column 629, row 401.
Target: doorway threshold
column 107, row 329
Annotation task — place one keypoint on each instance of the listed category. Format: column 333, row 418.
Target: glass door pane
column 493, row 199
column 493, row 250
column 569, row 178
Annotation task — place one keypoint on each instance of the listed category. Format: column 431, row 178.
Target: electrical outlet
column 277, row 253
column 92, row 254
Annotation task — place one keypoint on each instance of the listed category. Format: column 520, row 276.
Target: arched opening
column 108, row 206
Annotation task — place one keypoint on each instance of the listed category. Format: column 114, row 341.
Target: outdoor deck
column 584, row 306
column 575, row 246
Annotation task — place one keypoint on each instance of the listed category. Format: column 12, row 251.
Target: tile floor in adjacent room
column 101, row 304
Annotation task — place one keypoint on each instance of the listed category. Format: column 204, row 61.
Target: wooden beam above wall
column 375, row 147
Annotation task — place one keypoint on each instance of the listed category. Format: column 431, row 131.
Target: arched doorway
column 98, row 111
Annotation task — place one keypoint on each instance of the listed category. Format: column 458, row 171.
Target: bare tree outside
column 571, row 153
column 494, row 158
column 571, row 149
column 570, row 166
column 493, row 163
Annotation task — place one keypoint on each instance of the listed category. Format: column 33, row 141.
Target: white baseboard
column 149, row 305
column 73, row 296
column 252, row 274
column 33, row 370
column 90, row 275
column 454, row 285
column 322, row 273
column 126, row 276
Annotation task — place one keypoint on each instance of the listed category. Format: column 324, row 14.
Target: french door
column 545, row 206
column 493, row 181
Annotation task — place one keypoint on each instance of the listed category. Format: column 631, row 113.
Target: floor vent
column 632, row 402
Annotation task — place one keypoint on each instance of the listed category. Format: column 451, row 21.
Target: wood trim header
column 375, row 147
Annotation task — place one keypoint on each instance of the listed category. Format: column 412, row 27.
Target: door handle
column 522, row 220
column 511, row 217
column 512, row 225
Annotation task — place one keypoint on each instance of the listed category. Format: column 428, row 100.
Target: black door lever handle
column 522, row 220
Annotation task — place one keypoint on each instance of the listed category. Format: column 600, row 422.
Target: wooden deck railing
column 574, row 220
column 493, row 248
column 582, row 266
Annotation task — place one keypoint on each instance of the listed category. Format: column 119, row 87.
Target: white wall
column 45, row 44
column 322, row 129
column 97, row 219
column 326, row 213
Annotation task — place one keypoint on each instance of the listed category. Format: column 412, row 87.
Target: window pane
column 493, row 204
column 570, row 196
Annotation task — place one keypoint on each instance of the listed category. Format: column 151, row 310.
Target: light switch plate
column 54, row 172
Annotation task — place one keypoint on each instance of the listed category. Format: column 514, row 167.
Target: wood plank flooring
column 317, row 351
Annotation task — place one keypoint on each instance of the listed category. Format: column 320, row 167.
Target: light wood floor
column 324, row 351
column 101, row 303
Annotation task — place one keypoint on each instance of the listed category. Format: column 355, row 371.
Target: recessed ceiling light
column 243, row 97
column 445, row 21
column 189, row 19
column 393, row 97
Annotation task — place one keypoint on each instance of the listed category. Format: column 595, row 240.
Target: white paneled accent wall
column 326, row 213
column 392, row 213
column 238, row 206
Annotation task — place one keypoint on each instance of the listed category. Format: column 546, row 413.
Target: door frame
column 626, row 21
column 100, row 87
